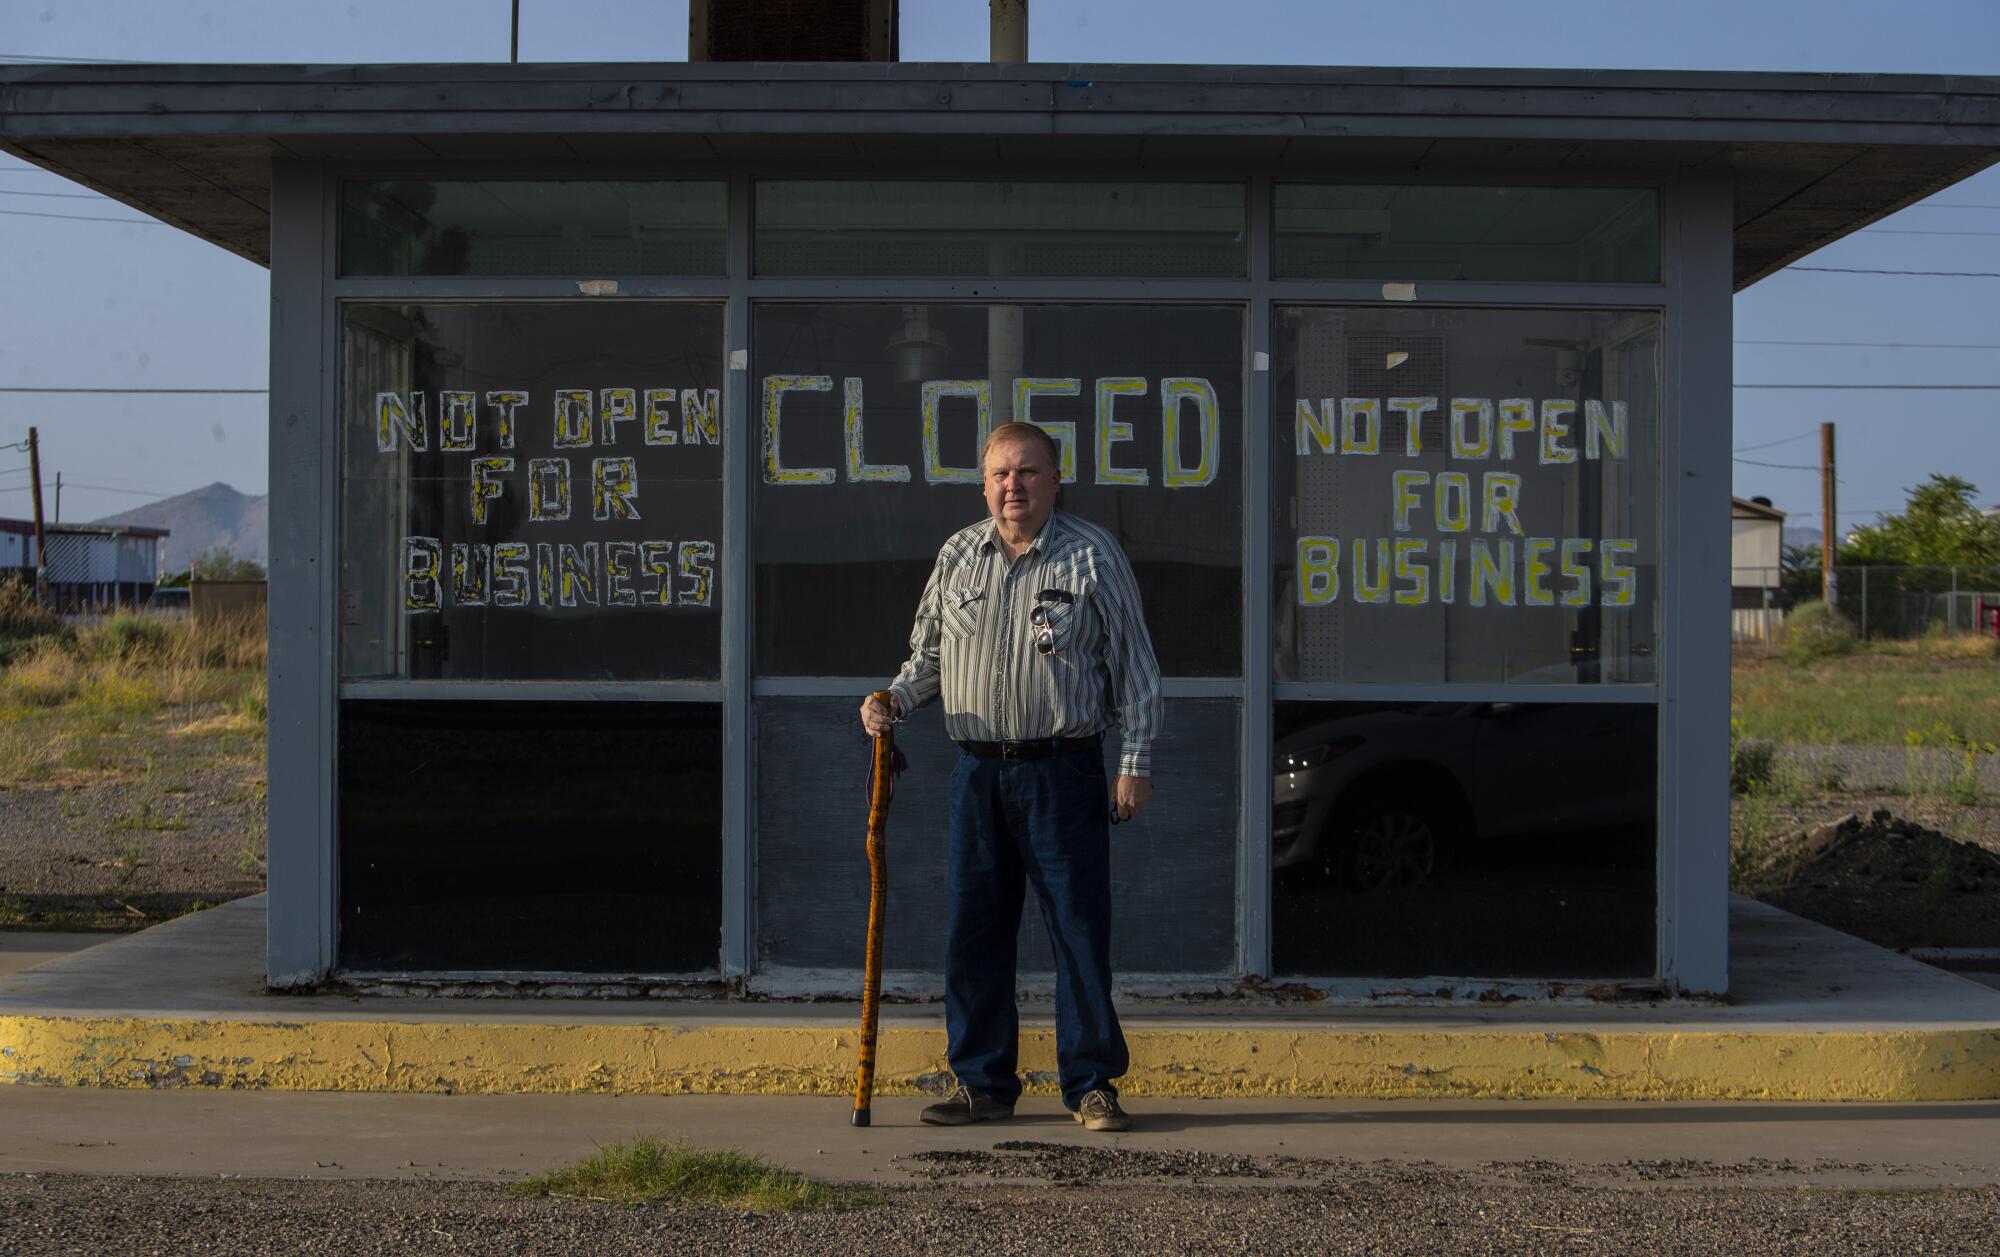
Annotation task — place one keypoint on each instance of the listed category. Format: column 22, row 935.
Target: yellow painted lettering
column 1376, row 590
column 775, row 388
column 1492, row 574
column 1413, row 576
column 933, row 394
column 1174, row 390
column 1413, row 410
column 1110, row 431
column 1478, row 442
column 1517, row 414
column 1319, row 570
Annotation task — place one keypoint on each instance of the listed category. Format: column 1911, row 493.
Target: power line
column 94, row 196
column 1958, row 388
column 130, row 481
column 1744, row 449
column 203, row 391
column 1952, row 205
column 112, row 488
column 120, row 483
column 1904, row 231
column 1870, row 270
column 47, row 485
column 1751, row 462
column 84, row 218
column 36, row 58
column 1866, row 344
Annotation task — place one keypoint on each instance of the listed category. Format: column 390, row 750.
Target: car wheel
column 1390, row 842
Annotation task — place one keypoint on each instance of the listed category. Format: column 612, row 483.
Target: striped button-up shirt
column 974, row 644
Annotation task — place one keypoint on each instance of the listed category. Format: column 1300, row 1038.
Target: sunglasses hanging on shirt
column 1039, row 617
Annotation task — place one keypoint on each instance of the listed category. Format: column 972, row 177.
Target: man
column 1030, row 629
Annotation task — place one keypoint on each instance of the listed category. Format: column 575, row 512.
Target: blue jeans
column 1044, row 823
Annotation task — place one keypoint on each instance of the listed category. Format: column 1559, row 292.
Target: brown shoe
column 1100, row 1111
column 965, row 1106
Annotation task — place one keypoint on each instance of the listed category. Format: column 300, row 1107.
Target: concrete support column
column 300, row 930
column 1694, row 604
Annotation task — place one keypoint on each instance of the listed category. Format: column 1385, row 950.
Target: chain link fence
column 1883, row 603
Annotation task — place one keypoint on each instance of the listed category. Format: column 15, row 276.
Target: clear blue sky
column 100, row 304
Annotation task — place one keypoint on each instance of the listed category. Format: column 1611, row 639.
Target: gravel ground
column 1356, row 1209
column 126, row 854
column 1887, row 766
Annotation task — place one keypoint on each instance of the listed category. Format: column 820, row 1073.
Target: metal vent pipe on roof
column 1008, row 31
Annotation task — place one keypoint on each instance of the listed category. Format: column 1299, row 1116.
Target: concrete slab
column 1814, row 1014
column 24, row 949
column 322, row 1136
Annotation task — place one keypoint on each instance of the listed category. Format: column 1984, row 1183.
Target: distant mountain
column 216, row 515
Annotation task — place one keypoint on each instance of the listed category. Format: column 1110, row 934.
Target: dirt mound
column 1888, row 880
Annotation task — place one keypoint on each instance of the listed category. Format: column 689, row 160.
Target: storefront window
column 1466, row 495
column 518, row 227
column 871, row 419
column 1503, row 840
column 935, row 228
column 531, row 492
column 531, row 836
column 1373, row 231
column 1173, row 869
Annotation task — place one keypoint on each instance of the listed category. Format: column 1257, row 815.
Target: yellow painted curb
column 447, row 1057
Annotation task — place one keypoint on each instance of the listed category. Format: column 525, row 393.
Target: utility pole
column 1829, row 580
column 514, row 36
column 41, row 540
column 58, row 497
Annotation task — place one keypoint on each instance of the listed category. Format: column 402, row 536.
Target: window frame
column 646, row 689
column 1445, row 182
column 1500, row 691
column 1150, row 179
column 340, row 221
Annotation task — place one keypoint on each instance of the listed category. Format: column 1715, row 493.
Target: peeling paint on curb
column 461, row 1058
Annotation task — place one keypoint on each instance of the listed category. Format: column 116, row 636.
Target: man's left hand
column 1130, row 794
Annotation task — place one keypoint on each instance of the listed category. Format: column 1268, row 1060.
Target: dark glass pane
column 532, row 491
column 846, row 535
column 906, row 227
column 1466, row 495
column 578, row 837
column 515, row 227
column 1173, row 869
column 1579, row 235
column 1493, row 840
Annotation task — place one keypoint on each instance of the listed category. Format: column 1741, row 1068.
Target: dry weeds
column 113, row 701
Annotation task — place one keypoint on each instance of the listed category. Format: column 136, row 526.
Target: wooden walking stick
column 881, row 788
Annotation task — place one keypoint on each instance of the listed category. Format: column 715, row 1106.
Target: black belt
column 1031, row 748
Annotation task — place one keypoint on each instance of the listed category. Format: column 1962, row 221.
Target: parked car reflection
column 1384, row 794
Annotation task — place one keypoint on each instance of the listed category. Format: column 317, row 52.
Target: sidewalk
column 1813, row 1015
column 21, row 949
column 298, row 1135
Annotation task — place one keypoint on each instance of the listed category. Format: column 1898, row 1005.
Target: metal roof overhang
column 1811, row 157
